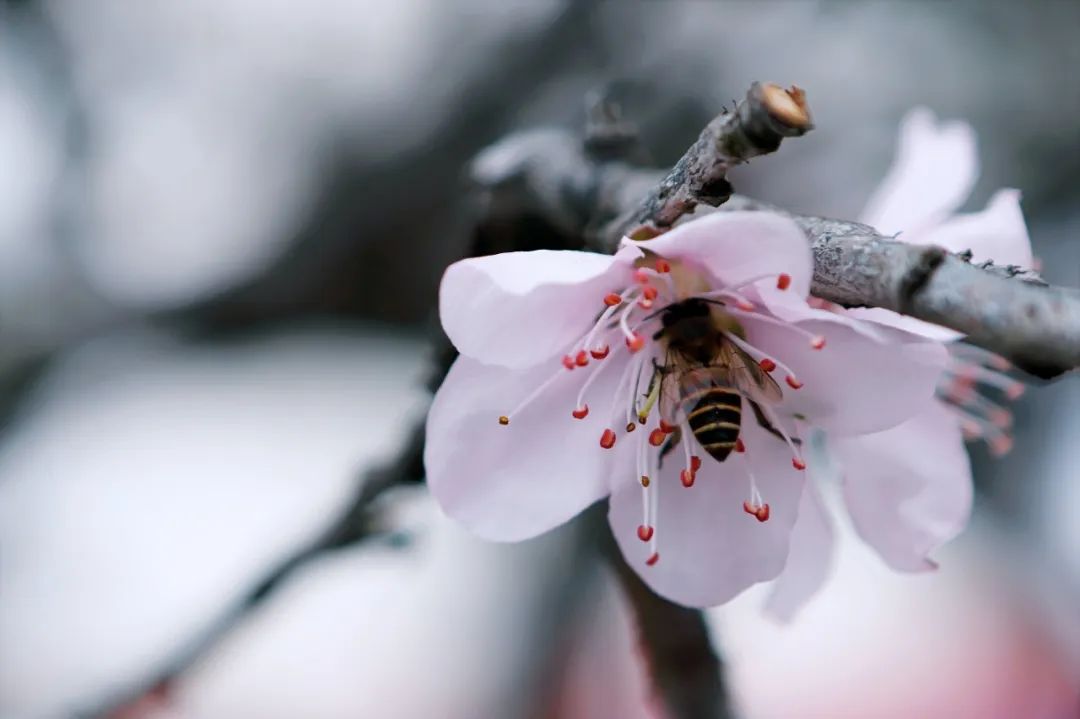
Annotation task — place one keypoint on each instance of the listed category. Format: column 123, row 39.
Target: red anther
column 642, row 419
column 582, row 358
column 1001, row 418
column 687, row 477
column 653, row 559
column 798, row 463
column 612, row 299
column 762, row 513
column 745, row 305
column 641, row 276
column 644, row 480
column 504, row 420
column 635, row 342
column 792, row 382
column 645, row 304
column 581, row 413
column 631, row 426
column 667, row 428
column 695, row 463
column 607, row 439
column 645, row 532
column 656, row 437
column 649, row 292
column 783, row 281
column 739, row 446
column 663, row 266
column 749, row 507
column 818, row 342
column 1001, row 446
column 1014, row 391
column 568, row 362
column 600, row 352
column 767, row 364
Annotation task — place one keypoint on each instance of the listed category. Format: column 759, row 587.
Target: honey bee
column 705, row 376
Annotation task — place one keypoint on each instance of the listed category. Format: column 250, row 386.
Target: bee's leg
column 765, row 423
column 669, row 446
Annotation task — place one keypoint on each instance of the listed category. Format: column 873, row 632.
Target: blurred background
column 222, row 225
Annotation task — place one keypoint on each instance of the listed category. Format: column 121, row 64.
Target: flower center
column 647, row 389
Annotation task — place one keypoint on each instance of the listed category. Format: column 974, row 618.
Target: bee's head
column 687, row 309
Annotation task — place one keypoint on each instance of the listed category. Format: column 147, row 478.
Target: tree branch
column 1005, row 309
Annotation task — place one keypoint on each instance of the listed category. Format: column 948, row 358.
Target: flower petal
column 516, row 308
column 996, row 233
column 855, row 384
column 810, row 561
column 908, row 489
column 933, row 173
column 710, row 549
column 512, row 482
column 736, row 247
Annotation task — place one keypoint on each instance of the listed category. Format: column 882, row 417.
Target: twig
column 1005, row 309
column 1001, row 308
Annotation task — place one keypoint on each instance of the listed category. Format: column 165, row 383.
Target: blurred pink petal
column 908, row 489
column 933, row 173
column 996, row 233
column 810, row 561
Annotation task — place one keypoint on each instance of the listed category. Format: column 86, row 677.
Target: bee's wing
column 745, row 375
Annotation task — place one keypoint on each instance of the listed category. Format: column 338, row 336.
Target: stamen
column 612, row 300
column 740, row 300
column 645, row 532
column 739, row 446
column 504, row 420
column 766, row 363
column 783, row 281
column 645, row 304
column 641, row 276
column 797, row 460
column 649, row 292
column 536, row 393
column 582, row 358
column 663, row 266
column 687, row 478
column 756, row 506
column 568, row 362
column 581, row 413
column 1009, row 386
column 653, row 559
column 817, row 342
column 631, row 426
column 666, row 428
column 657, row 437
column 607, row 439
column 979, row 356
column 689, row 474
column 645, row 480
column 695, row 462
column 600, row 352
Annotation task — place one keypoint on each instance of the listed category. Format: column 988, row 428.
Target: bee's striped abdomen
column 715, row 414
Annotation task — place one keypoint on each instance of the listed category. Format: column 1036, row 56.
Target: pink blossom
column 908, row 489
column 551, row 406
